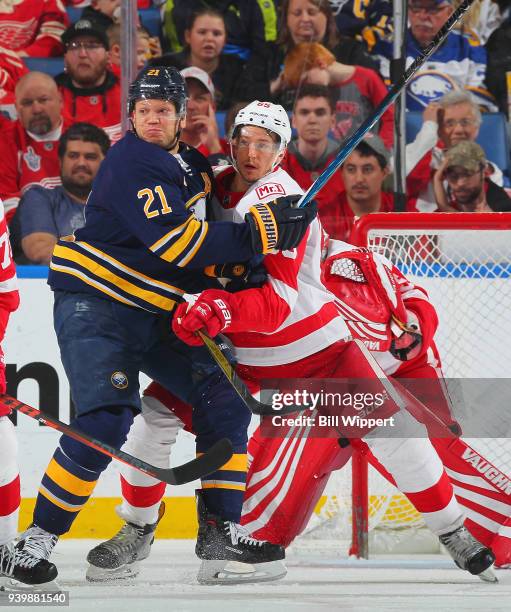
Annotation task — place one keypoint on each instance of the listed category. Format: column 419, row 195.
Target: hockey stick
column 207, row 463
column 216, row 349
column 394, row 92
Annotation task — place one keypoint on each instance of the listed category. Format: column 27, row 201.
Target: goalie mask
column 268, row 116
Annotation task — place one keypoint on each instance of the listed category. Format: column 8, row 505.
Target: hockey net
column 463, row 260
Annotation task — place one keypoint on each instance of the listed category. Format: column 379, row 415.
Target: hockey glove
column 279, row 224
column 407, row 342
column 211, row 312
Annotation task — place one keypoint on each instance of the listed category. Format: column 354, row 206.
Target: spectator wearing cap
column 44, row 215
column 201, row 128
column 33, row 28
column 461, row 183
column 28, row 147
column 312, row 150
column 205, row 37
column 91, row 92
column 454, row 118
column 363, row 174
column 459, row 63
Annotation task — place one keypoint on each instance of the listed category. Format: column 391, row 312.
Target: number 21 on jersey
column 160, row 202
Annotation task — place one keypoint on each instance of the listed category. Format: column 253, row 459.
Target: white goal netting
column 466, row 269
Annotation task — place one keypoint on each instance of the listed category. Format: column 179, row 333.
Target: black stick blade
column 212, row 460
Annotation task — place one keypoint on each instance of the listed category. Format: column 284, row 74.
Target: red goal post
column 446, row 253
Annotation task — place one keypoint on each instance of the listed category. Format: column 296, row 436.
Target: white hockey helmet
column 271, row 117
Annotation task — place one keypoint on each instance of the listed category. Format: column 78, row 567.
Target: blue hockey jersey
column 459, row 63
column 146, row 241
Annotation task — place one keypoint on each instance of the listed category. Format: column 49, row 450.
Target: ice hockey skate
column 469, row 554
column 230, row 556
column 119, row 557
column 26, row 563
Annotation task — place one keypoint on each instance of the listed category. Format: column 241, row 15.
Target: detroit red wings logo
column 269, row 189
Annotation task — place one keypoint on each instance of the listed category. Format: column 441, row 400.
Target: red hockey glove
column 211, row 312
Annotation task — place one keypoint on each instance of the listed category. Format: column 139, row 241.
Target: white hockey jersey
column 293, row 315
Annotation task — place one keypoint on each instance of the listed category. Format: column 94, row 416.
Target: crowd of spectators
column 326, row 61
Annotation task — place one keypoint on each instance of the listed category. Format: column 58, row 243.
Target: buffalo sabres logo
column 119, row 380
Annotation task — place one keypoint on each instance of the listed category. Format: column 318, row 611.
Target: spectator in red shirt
column 28, row 148
column 357, row 91
column 33, row 28
column 91, row 92
column 363, row 174
column 312, row 150
column 201, row 129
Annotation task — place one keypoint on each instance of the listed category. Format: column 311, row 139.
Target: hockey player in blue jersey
column 116, row 281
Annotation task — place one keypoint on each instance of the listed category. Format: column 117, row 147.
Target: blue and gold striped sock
column 65, row 488
column 224, row 489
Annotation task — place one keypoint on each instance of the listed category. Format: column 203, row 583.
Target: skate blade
column 9, row 585
column 488, row 575
column 102, row 574
column 234, row 572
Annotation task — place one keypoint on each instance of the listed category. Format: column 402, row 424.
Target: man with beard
column 44, row 215
column 363, row 174
column 469, row 189
column 28, row 147
column 90, row 91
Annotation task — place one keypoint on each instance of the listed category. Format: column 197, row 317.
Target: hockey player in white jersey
column 288, row 328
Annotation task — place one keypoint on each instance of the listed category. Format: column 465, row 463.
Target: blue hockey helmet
column 159, row 83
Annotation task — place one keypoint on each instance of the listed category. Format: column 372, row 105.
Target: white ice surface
column 167, row 582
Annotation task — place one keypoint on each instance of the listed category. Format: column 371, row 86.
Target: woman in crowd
column 205, row 38
column 301, row 21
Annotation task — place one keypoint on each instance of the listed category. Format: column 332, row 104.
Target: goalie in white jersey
column 290, row 327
